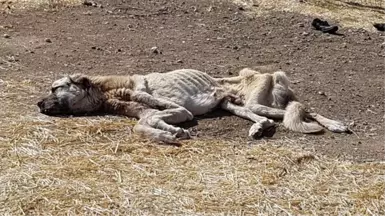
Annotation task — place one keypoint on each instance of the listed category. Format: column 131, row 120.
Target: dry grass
column 29, row 4
column 95, row 166
column 347, row 14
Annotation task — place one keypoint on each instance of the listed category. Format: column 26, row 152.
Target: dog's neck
column 107, row 83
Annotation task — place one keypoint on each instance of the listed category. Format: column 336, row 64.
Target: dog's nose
column 40, row 104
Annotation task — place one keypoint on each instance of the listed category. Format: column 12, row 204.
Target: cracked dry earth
column 341, row 77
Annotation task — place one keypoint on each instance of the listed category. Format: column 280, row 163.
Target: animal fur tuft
column 281, row 92
column 294, row 119
column 280, row 78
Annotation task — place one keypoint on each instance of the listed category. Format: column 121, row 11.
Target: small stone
column 322, row 93
column 179, row 61
column 301, row 25
column 48, row 40
column 155, row 50
column 90, row 3
column 305, row 33
column 6, row 36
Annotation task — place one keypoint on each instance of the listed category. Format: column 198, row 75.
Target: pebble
column 48, row 40
column 155, row 50
column 6, row 36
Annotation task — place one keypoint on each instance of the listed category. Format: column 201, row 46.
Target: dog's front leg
column 156, row 103
column 163, row 120
column 153, row 123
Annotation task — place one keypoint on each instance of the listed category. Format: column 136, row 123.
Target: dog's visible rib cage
column 174, row 97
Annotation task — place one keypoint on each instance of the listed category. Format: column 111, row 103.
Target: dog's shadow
column 219, row 114
column 211, row 115
column 215, row 114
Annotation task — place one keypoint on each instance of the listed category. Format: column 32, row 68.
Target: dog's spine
column 294, row 119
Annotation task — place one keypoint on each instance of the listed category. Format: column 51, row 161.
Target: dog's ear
column 81, row 80
column 70, row 79
column 85, row 82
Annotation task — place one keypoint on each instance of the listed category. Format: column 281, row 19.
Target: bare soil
column 339, row 76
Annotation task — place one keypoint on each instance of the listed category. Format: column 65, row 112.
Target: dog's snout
column 40, row 104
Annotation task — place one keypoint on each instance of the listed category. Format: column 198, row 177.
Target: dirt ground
column 339, row 76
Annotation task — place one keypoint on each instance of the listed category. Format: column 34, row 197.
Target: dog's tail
column 294, row 119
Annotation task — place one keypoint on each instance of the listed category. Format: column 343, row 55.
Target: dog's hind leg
column 332, row 125
column 261, row 123
column 260, row 97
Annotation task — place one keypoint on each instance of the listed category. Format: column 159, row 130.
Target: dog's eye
column 54, row 89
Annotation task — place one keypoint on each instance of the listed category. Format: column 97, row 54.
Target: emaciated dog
column 160, row 100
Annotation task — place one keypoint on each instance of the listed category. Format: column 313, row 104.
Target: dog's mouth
column 52, row 107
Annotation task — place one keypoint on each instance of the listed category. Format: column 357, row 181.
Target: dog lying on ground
column 160, row 100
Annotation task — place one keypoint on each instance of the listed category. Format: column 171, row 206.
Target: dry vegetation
column 353, row 13
column 28, row 4
column 93, row 165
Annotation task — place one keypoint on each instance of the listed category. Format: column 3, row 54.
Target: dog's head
column 72, row 95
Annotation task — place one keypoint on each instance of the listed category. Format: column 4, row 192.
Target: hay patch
column 355, row 13
column 36, row 4
column 96, row 166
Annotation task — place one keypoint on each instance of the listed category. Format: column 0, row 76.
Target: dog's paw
column 183, row 134
column 257, row 129
column 338, row 127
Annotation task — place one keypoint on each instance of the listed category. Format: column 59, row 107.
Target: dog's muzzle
column 50, row 106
